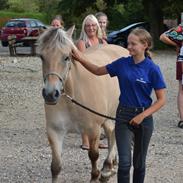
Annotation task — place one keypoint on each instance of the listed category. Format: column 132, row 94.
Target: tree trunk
column 154, row 13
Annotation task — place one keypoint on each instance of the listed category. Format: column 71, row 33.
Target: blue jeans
column 125, row 135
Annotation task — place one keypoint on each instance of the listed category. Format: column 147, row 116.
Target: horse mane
column 55, row 38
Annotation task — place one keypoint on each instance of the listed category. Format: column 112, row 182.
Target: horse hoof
column 104, row 179
column 94, row 181
column 180, row 124
column 106, row 173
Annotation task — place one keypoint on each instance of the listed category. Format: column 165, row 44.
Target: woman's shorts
column 179, row 70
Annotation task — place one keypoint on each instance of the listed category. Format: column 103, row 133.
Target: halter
column 64, row 75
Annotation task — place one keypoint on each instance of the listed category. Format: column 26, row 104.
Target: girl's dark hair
column 144, row 37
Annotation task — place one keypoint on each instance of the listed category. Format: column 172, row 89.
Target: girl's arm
column 161, row 99
column 78, row 56
column 164, row 38
column 160, row 102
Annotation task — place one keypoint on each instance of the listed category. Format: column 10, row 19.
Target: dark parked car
column 19, row 28
column 120, row 37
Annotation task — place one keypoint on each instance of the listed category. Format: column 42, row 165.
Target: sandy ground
column 24, row 151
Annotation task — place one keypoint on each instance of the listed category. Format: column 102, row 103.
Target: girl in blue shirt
column 138, row 75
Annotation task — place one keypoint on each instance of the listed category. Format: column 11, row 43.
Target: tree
column 154, row 12
column 49, row 8
column 173, row 9
column 157, row 10
column 4, row 4
column 23, row 5
column 120, row 12
column 74, row 11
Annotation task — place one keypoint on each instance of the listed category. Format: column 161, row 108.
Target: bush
column 5, row 16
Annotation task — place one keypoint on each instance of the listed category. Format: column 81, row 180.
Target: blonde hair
column 59, row 17
column 59, row 20
column 101, row 14
column 83, row 35
column 144, row 37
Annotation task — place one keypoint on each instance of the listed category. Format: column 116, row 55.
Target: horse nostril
column 50, row 96
column 44, row 92
column 57, row 94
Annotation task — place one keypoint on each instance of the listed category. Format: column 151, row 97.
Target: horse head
column 55, row 46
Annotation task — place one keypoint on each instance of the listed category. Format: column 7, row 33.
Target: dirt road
column 24, row 151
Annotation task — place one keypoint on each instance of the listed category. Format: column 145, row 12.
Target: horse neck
column 71, row 82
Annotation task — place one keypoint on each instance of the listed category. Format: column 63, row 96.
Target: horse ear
column 70, row 31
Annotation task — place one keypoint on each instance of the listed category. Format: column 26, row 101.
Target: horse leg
column 55, row 139
column 93, row 154
column 109, row 166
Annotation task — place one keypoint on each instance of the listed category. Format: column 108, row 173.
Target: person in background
column 91, row 35
column 174, row 37
column 57, row 22
column 138, row 75
column 103, row 22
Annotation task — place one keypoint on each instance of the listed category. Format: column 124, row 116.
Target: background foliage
column 6, row 15
column 120, row 12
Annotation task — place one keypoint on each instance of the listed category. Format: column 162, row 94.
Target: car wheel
column 4, row 43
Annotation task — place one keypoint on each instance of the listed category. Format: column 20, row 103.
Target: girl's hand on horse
column 77, row 55
column 137, row 120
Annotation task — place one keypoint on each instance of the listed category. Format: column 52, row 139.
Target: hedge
column 5, row 16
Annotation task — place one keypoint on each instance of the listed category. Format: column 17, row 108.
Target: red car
column 20, row 27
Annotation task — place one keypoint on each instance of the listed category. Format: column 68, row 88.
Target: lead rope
column 112, row 118
column 88, row 109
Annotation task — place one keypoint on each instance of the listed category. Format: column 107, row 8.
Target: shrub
column 5, row 16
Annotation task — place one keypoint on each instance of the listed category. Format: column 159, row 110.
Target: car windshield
column 15, row 24
column 40, row 24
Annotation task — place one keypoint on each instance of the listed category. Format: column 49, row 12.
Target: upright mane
column 55, row 38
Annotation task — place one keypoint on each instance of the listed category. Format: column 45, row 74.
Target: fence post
column 11, row 44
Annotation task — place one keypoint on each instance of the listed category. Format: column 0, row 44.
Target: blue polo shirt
column 136, row 81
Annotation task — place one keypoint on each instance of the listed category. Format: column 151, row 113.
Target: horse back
column 100, row 93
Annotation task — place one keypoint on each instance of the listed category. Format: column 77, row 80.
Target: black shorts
column 179, row 71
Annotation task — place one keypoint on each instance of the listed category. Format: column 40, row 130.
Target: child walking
column 138, row 75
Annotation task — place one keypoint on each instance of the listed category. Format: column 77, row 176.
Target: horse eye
column 66, row 58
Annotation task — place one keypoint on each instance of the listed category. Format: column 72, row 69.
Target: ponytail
column 148, row 53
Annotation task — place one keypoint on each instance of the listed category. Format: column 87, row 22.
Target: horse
column 65, row 78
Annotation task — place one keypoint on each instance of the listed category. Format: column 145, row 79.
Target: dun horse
column 63, row 76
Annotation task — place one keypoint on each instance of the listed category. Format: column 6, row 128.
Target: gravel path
column 24, row 151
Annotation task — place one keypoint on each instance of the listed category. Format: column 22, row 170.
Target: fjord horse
column 63, row 76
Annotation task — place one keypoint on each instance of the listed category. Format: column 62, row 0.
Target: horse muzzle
column 51, row 98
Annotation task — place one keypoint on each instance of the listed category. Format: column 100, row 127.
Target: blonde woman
column 91, row 35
